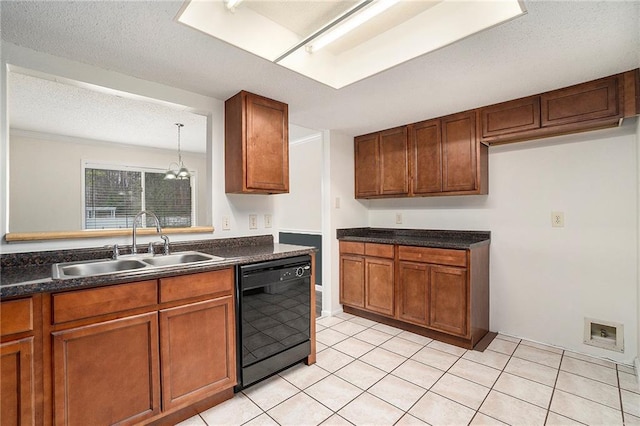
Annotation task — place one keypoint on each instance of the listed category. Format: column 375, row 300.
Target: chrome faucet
column 134, row 250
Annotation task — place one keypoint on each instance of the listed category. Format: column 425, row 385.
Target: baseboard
column 327, row 313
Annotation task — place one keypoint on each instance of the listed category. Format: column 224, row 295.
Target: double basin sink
column 89, row 268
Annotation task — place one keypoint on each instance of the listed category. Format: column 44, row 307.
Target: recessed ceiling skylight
column 290, row 32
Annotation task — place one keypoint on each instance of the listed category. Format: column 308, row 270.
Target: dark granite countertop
column 417, row 237
column 23, row 274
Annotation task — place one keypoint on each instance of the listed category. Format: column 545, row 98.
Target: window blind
column 114, row 197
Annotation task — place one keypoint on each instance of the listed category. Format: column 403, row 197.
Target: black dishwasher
column 274, row 310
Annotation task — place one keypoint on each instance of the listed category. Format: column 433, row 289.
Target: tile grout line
column 563, row 355
column 553, row 389
column 493, row 385
column 620, row 395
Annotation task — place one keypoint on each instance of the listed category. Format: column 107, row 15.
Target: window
column 113, row 195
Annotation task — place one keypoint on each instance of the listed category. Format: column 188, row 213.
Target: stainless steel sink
column 180, row 258
column 95, row 267
column 89, row 268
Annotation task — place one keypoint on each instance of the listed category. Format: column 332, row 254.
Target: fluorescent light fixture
column 231, row 4
column 354, row 21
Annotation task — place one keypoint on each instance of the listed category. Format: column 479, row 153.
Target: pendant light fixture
column 181, row 171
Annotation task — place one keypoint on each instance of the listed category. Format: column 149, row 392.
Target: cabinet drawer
column 351, row 247
column 81, row 304
column 379, row 250
column 195, row 285
column 433, row 255
column 16, row 316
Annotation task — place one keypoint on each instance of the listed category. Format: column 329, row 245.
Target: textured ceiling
column 48, row 106
column 555, row 44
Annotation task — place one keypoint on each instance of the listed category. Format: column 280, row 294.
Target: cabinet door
column 448, row 300
column 426, row 160
column 198, row 351
column 367, row 165
column 267, row 149
column 352, row 280
column 394, row 167
column 107, row 373
column 16, row 371
column 509, row 117
column 413, row 293
column 379, row 286
column 459, row 152
column 594, row 100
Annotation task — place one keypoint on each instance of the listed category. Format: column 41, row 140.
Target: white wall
column 301, row 209
column 46, row 176
column 340, row 210
column 545, row 280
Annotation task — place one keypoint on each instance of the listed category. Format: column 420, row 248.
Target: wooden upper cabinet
column 366, row 165
column 459, row 152
column 256, row 145
column 434, row 157
column 509, row 117
column 381, row 163
column 592, row 105
column 594, row 100
column 426, row 157
column 394, row 165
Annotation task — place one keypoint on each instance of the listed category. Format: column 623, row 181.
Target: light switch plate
column 253, row 221
column 267, row 220
column 226, row 223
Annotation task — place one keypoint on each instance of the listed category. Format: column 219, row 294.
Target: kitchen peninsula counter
column 445, row 239
column 23, row 274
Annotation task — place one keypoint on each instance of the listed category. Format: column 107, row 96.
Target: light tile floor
column 372, row 374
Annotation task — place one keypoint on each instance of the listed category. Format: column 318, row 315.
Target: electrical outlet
column 557, row 219
column 253, row 221
column 267, row 220
column 398, row 218
column 226, row 223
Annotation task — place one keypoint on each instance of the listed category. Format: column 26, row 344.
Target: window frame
column 89, row 164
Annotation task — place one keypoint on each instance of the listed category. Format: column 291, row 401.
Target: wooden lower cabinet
column 433, row 296
column 169, row 352
column 441, row 293
column 20, row 364
column 413, row 293
column 448, row 300
column 352, row 280
column 367, row 281
column 197, row 360
column 379, row 288
column 17, row 384
column 107, row 373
